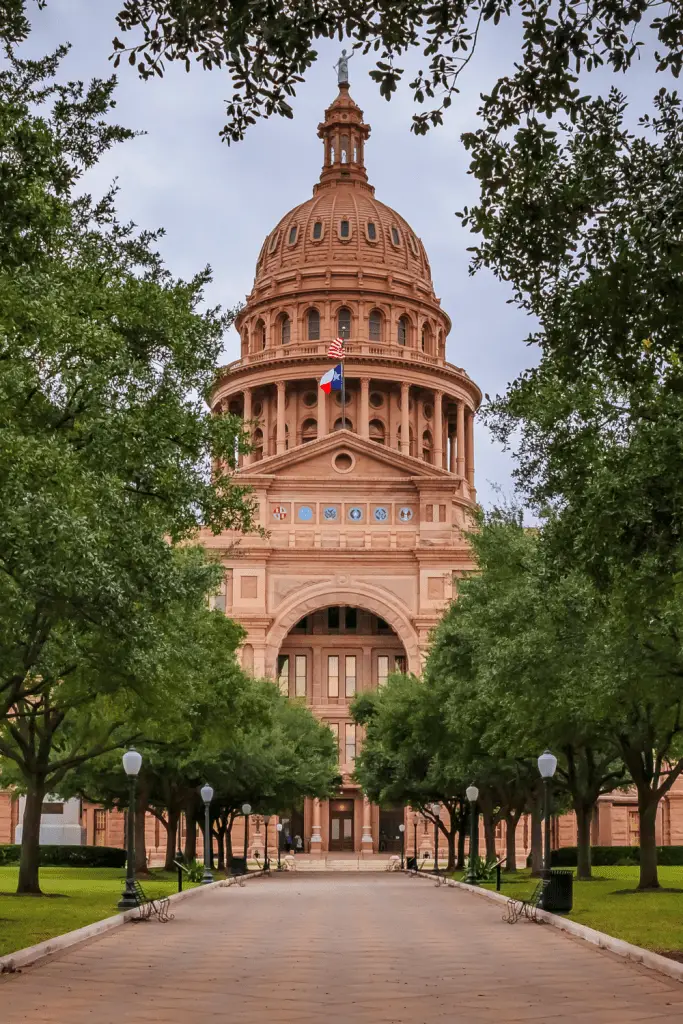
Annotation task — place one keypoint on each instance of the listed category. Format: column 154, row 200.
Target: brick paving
column 357, row 949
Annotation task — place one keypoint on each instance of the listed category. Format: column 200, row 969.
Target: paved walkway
column 340, row 949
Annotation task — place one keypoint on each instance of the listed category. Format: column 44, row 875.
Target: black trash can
column 238, row 866
column 411, row 863
column 558, row 895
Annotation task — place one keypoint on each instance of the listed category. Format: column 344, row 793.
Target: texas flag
column 332, row 380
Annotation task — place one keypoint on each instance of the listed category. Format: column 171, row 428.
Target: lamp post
column 402, row 830
column 547, row 763
column 246, row 811
column 207, row 797
column 132, row 762
column 436, row 811
column 416, row 820
column 472, row 794
column 279, row 844
column 266, row 862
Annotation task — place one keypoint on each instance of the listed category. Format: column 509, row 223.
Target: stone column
column 316, row 838
column 405, row 419
column 460, row 436
column 469, row 435
column 438, row 429
column 322, row 412
column 246, row 459
column 365, row 407
column 280, row 440
column 366, row 840
column 452, row 464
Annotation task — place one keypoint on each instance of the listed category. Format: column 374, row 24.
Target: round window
column 376, row 399
column 310, row 399
column 256, row 409
column 343, row 462
column 428, row 411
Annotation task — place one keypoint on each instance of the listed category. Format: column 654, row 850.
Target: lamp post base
column 129, row 899
column 207, row 878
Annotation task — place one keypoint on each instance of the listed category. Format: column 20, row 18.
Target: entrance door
column 341, row 825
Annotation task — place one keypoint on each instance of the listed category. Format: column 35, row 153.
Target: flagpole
column 343, row 375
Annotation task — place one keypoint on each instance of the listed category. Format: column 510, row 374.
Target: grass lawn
column 610, row 904
column 77, row 896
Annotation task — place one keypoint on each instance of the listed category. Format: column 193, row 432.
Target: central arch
column 331, row 593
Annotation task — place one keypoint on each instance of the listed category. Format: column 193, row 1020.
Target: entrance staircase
column 342, row 862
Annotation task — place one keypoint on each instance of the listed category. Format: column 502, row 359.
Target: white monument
column 60, row 822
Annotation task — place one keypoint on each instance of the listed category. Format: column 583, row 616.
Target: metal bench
column 526, row 908
column 149, row 908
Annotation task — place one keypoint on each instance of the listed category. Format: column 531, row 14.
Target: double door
column 341, row 825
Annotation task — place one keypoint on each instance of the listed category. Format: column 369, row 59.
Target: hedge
column 601, row 856
column 69, row 856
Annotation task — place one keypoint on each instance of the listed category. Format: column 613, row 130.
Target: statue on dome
column 342, row 68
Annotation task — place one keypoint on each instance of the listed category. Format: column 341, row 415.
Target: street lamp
column 472, row 794
column 436, row 811
column 402, row 829
column 246, row 811
column 266, row 862
column 207, row 797
column 547, row 763
column 279, row 844
column 132, row 762
column 416, row 820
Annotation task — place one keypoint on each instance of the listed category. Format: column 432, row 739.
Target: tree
column 267, row 50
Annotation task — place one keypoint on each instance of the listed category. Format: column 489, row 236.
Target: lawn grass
column 611, row 904
column 75, row 897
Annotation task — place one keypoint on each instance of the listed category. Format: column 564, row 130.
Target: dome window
column 403, row 328
column 413, row 245
column 344, row 229
column 313, row 325
column 285, row 330
column 318, row 230
column 273, row 242
column 395, row 237
column 344, row 323
column 309, row 431
column 343, row 423
column 375, row 326
column 372, row 231
column 259, row 336
column 426, row 339
column 310, row 399
column 292, row 234
column 377, row 431
column 427, row 446
column 376, row 399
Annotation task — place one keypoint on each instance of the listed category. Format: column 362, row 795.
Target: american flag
column 336, row 349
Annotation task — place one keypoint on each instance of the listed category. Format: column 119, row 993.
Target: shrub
column 69, row 856
column 618, row 856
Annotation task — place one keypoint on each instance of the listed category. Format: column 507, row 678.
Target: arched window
column 343, row 423
column 403, row 330
column 318, row 230
column 309, row 431
column 259, row 336
column 257, row 445
column 372, row 231
column 344, row 322
column 313, row 325
column 345, row 149
column 426, row 339
column 375, row 325
column 285, row 329
column 377, row 431
column 344, row 229
column 427, row 446
column 292, row 234
column 245, row 342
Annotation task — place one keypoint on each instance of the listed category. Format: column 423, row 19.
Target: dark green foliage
column 602, row 856
column 69, row 856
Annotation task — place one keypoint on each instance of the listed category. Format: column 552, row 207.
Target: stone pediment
column 343, row 454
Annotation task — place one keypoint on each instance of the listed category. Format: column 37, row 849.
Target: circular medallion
column 381, row 514
column 330, row 512
column 305, row 513
column 355, row 514
column 279, row 512
column 405, row 514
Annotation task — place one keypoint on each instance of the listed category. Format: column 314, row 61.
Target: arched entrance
column 327, row 656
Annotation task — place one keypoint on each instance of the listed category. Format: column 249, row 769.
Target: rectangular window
column 382, row 669
column 351, row 618
column 334, row 728
column 344, row 229
column 283, row 674
column 400, row 662
column 333, row 618
column 333, row 675
column 350, row 674
column 100, row 827
column 350, row 731
column 300, row 675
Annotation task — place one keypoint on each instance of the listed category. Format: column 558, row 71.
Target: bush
column 618, row 856
column 69, row 856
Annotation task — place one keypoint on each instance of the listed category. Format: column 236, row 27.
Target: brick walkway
column 337, row 949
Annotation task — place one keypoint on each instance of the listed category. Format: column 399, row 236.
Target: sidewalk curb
column 626, row 950
column 12, row 962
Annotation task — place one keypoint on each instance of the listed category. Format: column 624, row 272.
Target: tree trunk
column 461, row 846
column 140, row 844
column 584, row 816
column 647, row 811
column 190, row 831
column 536, row 837
column 220, row 836
column 452, row 836
column 171, row 839
column 489, row 835
column 510, row 842
column 228, row 847
column 29, row 863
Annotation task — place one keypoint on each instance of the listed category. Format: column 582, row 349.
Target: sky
column 218, row 202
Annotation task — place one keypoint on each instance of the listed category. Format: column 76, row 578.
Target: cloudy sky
column 217, row 203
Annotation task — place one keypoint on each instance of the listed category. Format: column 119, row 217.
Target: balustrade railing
column 351, row 349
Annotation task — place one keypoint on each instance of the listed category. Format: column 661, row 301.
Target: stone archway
column 332, row 593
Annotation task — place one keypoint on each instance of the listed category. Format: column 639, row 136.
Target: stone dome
column 343, row 222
